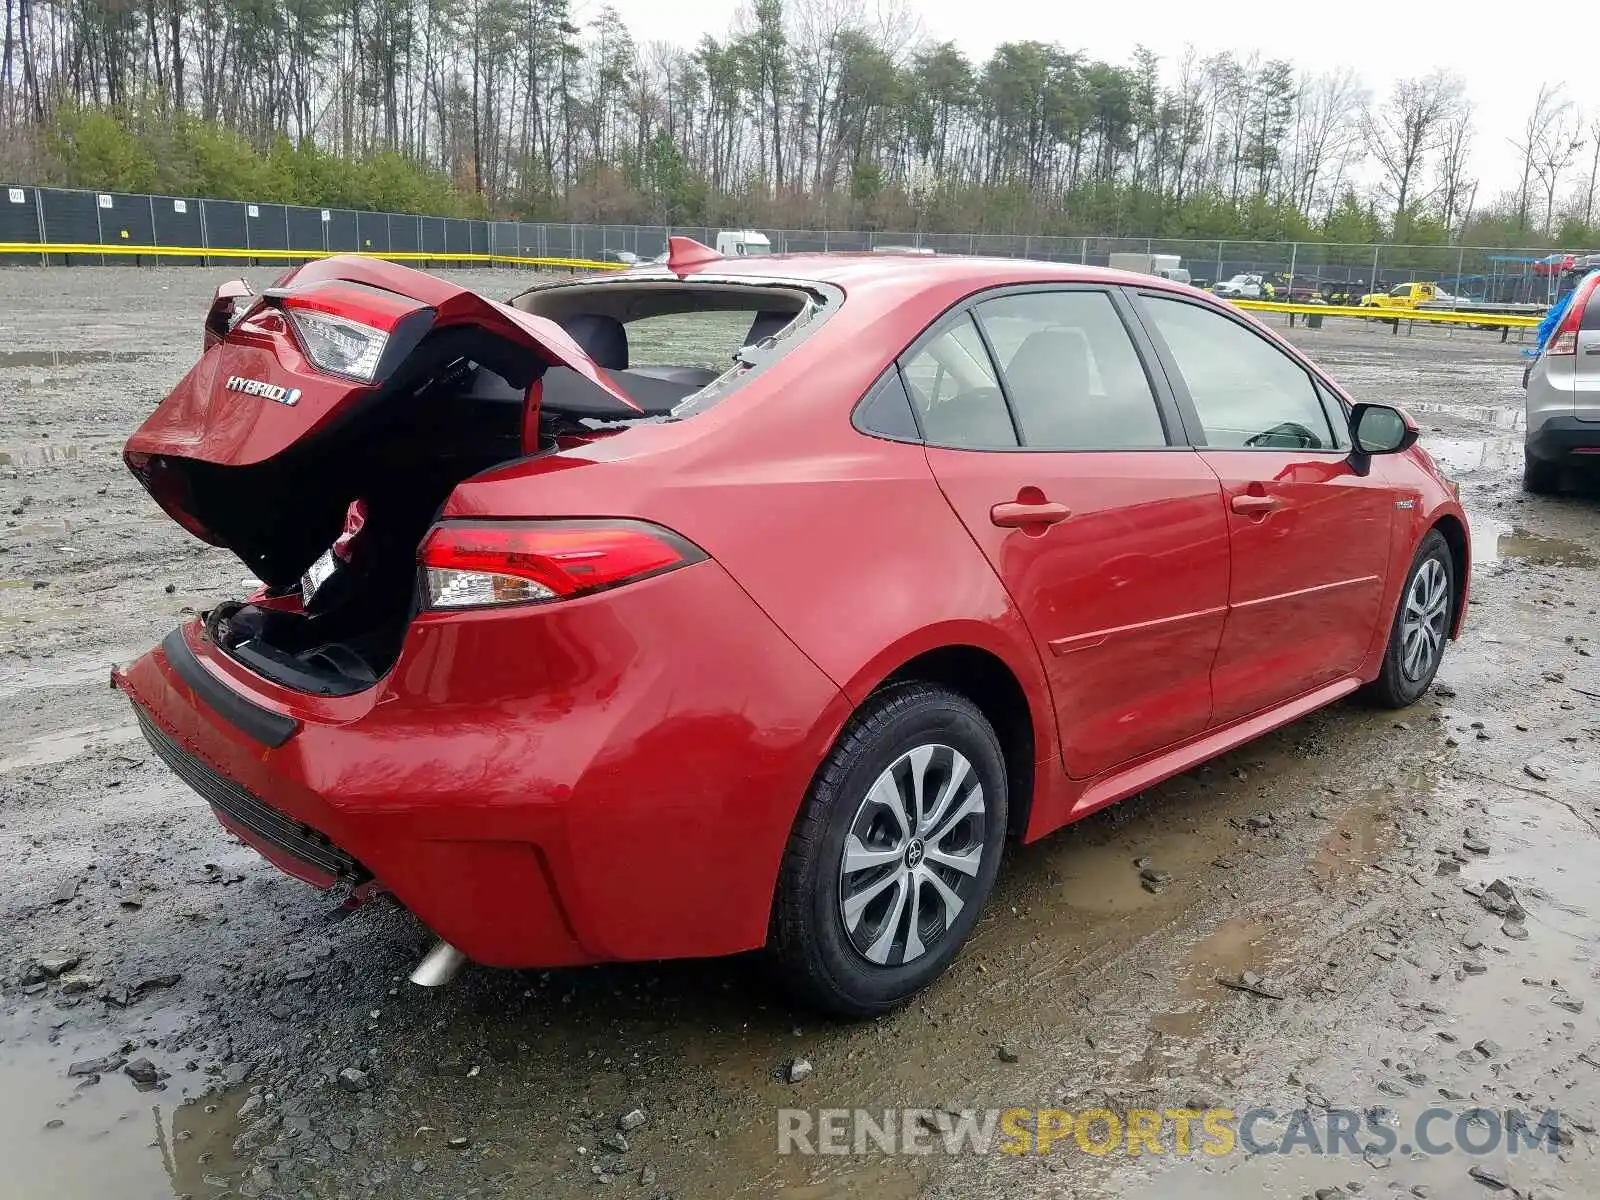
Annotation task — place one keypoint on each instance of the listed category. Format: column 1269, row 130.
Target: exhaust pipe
column 439, row 966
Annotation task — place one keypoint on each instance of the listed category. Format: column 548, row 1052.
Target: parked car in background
column 626, row 257
column 747, row 603
column 1563, row 392
column 1241, row 287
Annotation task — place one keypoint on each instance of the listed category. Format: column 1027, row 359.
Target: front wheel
column 894, row 854
column 1421, row 626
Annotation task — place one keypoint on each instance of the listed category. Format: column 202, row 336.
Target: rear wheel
column 894, row 854
column 1540, row 477
column 1421, row 627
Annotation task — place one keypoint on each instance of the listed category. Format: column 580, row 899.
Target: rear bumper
column 611, row 779
column 1566, row 440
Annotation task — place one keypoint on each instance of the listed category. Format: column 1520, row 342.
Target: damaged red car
column 716, row 605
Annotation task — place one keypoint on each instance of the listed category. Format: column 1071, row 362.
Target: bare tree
column 1546, row 108
column 1553, row 151
column 1590, row 196
column 1455, row 190
column 1327, row 131
column 1404, row 131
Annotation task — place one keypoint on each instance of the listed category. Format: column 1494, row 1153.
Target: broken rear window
column 674, row 347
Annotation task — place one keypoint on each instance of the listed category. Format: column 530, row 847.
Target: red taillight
column 1565, row 339
column 343, row 327
column 469, row 565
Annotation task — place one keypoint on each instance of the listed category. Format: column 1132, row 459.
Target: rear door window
column 1071, row 371
column 953, row 385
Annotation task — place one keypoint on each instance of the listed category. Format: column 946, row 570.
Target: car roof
column 854, row 268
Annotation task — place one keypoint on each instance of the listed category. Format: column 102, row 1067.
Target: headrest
column 602, row 338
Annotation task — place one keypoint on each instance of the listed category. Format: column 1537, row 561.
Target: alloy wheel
column 1424, row 623
column 911, row 858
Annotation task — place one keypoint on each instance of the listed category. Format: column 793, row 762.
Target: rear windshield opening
column 670, row 346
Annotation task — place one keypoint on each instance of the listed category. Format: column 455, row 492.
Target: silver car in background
column 1563, row 399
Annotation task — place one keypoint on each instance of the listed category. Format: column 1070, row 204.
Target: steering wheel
column 1289, row 434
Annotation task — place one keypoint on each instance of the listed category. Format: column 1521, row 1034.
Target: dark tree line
column 807, row 112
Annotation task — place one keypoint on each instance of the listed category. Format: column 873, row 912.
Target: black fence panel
column 431, row 233
column 404, row 234
column 372, row 233
column 305, row 229
column 176, row 222
column 126, row 220
column 266, row 227
column 458, row 235
column 19, row 215
column 19, row 222
column 70, row 217
column 342, row 230
column 226, row 224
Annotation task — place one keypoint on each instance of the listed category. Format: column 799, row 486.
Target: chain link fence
column 66, row 226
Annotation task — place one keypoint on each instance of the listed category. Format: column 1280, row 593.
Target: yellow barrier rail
column 123, row 250
column 1442, row 316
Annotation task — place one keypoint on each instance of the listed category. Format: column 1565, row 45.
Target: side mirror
column 1378, row 429
column 224, row 306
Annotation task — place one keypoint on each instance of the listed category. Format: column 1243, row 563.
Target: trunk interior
column 401, row 459
column 457, row 406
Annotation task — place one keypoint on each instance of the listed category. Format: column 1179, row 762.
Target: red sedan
column 715, row 605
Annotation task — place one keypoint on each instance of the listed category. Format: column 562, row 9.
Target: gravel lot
column 287, row 1056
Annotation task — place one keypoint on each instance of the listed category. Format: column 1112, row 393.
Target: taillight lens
column 345, row 327
column 473, row 565
column 338, row 344
column 1565, row 339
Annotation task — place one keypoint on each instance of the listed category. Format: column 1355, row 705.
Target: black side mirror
column 1378, row 429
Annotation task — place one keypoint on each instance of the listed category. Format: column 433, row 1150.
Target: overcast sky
column 1503, row 53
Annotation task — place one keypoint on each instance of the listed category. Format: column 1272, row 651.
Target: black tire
column 1539, row 477
column 1394, row 686
column 810, row 950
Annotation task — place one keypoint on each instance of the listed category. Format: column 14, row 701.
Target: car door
column 1309, row 533
column 1063, row 457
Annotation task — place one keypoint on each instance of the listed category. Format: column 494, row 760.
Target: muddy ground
column 1309, row 859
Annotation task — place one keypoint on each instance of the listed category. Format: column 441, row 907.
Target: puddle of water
column 1238, row 945
column 113, row 1140
column 1544, row 851
column 66, row 744
column 68, row 358
column 1356, row 839
column 1494, row 541
column 1461, row 456
column 1510, row 419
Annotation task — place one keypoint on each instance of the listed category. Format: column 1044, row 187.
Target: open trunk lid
column 265, row 442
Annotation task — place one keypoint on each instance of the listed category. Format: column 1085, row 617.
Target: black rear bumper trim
column 269, row 728
column 1560, row 439
column 244, row 809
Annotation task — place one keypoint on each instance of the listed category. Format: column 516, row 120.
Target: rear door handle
column 1014, row 513
column 1255, row 506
